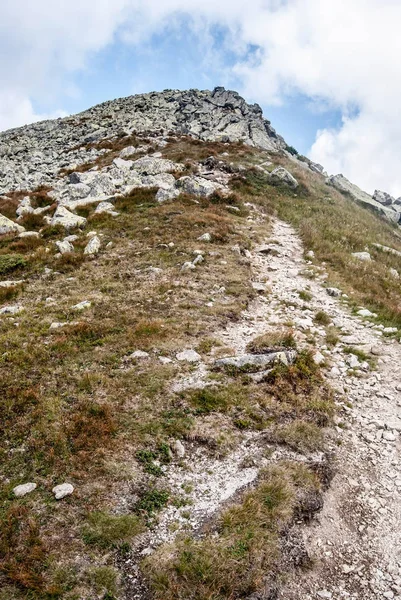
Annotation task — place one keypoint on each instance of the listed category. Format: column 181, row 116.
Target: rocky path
column 355, row 540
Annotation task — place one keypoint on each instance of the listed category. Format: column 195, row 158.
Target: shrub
column 11, row 262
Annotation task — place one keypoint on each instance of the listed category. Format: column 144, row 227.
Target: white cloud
column 340, row 52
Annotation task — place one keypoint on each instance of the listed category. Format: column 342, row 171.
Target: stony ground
column 354, row 540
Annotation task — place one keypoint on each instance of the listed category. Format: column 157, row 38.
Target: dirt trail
column 355, row 540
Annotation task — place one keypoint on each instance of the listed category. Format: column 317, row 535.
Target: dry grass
column 333, row 226
column 241, row 558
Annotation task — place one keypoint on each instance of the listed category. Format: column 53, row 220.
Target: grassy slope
column 74, row 409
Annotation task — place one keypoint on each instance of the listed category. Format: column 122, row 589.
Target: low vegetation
column 241, row 552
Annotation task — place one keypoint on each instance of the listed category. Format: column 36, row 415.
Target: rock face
column 49, row 146
column 379, row 202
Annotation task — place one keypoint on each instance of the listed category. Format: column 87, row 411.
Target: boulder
column 198, row 186
column 149, row 165
column 62, row 490
column 106, row 207
column 8, row 226
column 383, row 198
column 255, row 362
column 281, row 176
column 22, row 490
column 189, row 356
column 64, row 247
column 363, row 256
column 342, row 184
column 67, row 219
column 93, row 246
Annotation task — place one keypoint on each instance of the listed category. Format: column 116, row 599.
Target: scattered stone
column 178, row 449
column 67, row 219
column 198, row 186
column 364, row 312
column 259, row 287
column 26, row 488
column 93, row 246
column 6, row 284
column 188, row 266
column 283, row 177
column 11, row 310
column 8, row 226
column 62, row 490
column 363, row 256
column 64, row 247
column 189, row 356
column 383, row 198
column 319, row 358
column 106, row 207
column 198, row 260
column 82, row 305
column 256, row 361
column 389, row 436
column 206, row 237
column 26, row 234
column 139, row 354
column 332, row 291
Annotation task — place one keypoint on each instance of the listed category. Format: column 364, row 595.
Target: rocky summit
column 34, row 155
column 200, row 339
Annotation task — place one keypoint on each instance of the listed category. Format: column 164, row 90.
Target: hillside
column 200, row 340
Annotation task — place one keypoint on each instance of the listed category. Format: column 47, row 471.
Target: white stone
column 206, row 237
column 21, row 490
column 62, row 490
column 139, row 354
column 363, row 256
column 364, row 312
column 67, row 219
column 318, row 358
column 188, row 266
column 93, row 246
column 82, row 305
column 64, row 247
column 8, row 226
column 11, row 310
column 188, row 356
column 106, row 207
column 178, row 448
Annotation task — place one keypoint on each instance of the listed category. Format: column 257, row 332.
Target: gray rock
column 24, row 207
column 82, row 305
column 11, row 310
column 9, row 283
column 281, row 176
column 198, row 186
column 67, row 219
column 363, row 256
column 364, row 312
column 139, row 354
column 62, row 490
column 335, row 292
column 106, row 207
column 148, row 165
column 383, row 198
column 125, row 165
column 64, row 247
column 318, row 358
column 188, row 356
column 178, row 449
column 93, row 246
column 343, row 185
column 26, row 234
column 188, row 266
column 8, row 226
column 256, row 362
column 164, row 194
column 22, row 490
column 206, row 237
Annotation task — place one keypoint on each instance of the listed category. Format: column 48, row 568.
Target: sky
column 326, row 72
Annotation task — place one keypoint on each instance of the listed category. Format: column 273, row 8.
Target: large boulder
column 281, row 176
column 383, row 198
column 198, row 186
column 8, row 226
column 342, row 184
column 67, row 219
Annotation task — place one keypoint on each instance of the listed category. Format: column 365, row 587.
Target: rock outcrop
column 379, row 202
column 33, row 155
